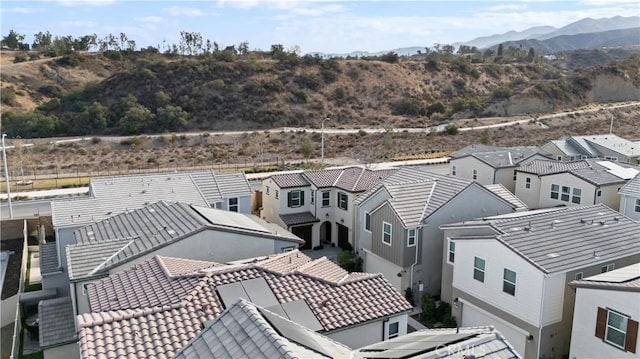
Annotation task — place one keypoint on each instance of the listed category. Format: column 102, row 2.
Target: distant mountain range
column 583, row 34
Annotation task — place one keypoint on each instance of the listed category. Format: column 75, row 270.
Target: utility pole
column 6, row 175
column 611, row 125
column 322, row 140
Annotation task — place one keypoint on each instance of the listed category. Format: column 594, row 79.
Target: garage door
column 474, row 317
column 303, row 232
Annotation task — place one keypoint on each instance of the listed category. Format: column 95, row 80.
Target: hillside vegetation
column 142, row 92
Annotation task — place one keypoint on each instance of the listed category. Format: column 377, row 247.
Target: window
column 386, row 233
column 367, row 221
column 559, row 158
column 577, row 193
column 475, row 174
column 326, row 199
column 277, row 194
column 453, row 170
column 637, row 209
column 452, row 252
column 394, row 329
column 217, row 205
column 233, row 204
column 478, row 269
column 617, row 329
column 342, row 200
column 313, row 197
column 610, row 158
column 411, row 237
column 267, row 190
column 555, row 191
column 579, row 276
column 565, row 193
column 515, row 175
column 599, row 193
column 288, row 249
column 527, row 183
column 509, row 282
column 607, row 268
column 295, row 199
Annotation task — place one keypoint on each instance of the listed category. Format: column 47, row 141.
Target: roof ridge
column 357, row 181
column 426, row 205
column 90, row 319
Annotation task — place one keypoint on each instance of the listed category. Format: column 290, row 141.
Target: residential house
column 512, row 271
column 548, row 183
column 154, row 308
column 630, row 198
column 177, row 229
column 491, row 164
column 318, row 205
column 113, row 195
column 608, row 147
column 398, row 227
column 606, row 315
column 248, row 331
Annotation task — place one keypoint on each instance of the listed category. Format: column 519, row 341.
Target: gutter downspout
column 415, row 261
column 544, row 289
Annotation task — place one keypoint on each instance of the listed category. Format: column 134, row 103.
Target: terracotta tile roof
column 352, row 179
column 290, row 180
column 175, row 267
column 145, row 294
column 593, row 171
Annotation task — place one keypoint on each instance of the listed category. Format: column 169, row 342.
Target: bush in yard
column 408, row 294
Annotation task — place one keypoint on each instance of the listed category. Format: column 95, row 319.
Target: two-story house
column 512, row 271
column 492, row 164
column 109, row 196
column 606, row 314
column 398, row 227
column 549, row 183
column 317, row 206
column 169, row 300
column 630, row 198
column 609, row 147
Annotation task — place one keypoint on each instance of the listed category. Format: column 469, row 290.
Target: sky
column 312, row 25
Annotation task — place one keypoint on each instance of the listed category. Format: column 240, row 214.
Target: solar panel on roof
column 299, row 312
column 619, row 275
column 407, row 346
column 618, row 171
column 259, row 292
column 230, row 293
column 230, row 219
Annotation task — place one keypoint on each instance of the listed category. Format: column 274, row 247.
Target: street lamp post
column 322, row 140
column 6, row 175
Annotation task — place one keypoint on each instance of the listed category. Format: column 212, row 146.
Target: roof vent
column 617, row 219
column 603, row 223
column 582, row 220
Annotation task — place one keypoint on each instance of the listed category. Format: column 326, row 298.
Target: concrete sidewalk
column 47, row 193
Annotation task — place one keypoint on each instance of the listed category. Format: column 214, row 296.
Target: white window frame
column 397, row 331
column 579, row 276
column 625, row 322
column 507, row 282
column 233, row 207
column 483, row 270
column 277, row 194
column 565, row 194
column 611, row 158
column 474, row 174
column 453, row 170
column 527, row 183
column 267, row 190
column 385, row 233
column 637, row 206
column 515, row 175
column 451, row 251
column 599, row 193
column 367, row 222
column 343, row 198
column 608, row 268
column 555, row 190
column 297, row 201
column 410, row 236
column 326, row 198
column 576, row 196
column 313, row 197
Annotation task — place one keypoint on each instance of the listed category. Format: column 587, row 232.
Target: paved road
column 26, row 209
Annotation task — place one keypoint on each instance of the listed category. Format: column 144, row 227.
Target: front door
column 343, row 237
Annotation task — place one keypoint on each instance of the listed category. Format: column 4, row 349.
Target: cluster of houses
column 537, row 250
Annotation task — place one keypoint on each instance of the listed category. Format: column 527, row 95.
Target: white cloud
column 183, row 11
column 86, row 2
column 608, row 2
column 149, row 19
column 23, row 10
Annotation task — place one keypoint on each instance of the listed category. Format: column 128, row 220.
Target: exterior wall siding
column 565, row 179
column 466, row 165
column 363, row 238
column 394, row 252
column 628, row 207
column 369, row 333
column 530, row 196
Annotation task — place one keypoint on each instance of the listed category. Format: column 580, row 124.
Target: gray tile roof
column 49, row 258
column 119, row 239
column 485, row 342
column 505, row 194
column 57, row 325
column 591, row 170
column 217, row 187
column 351, row 179
column 564, row 239
column 586, row 145
column 298, row 218
column 245, row 331
column 565, row 147
column 154, row 315
column 632, row 188
column 623, row 279
column 415, row 194
column 498, row 157
column 113, row 195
